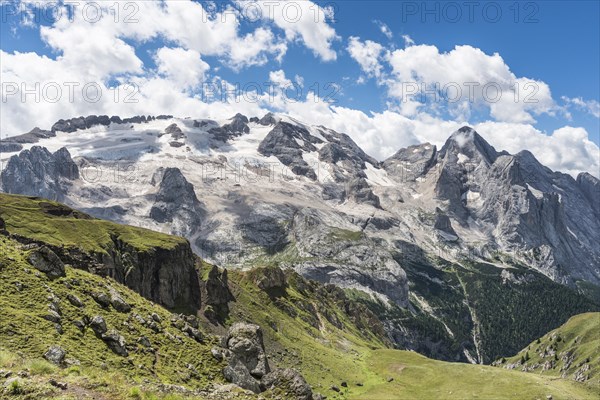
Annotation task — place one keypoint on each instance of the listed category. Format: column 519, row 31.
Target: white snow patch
column 537, row 193
column 462, row 158
column 377, row 176
column 571, row 232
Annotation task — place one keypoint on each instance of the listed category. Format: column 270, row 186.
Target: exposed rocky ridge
column 176, row 203
column 287, row 142
column 15, row 143
column 411, row 162
column 237, row 127
column 37, row 172
column 543, row 217
column 165, row 275
column 79, row 123
column 590, row 186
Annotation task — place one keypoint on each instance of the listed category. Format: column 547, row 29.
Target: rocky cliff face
column 37, row 172
column 165, row 276
column 176, row 203
column 544, row 218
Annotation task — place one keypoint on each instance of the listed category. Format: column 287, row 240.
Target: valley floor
column 417, row 377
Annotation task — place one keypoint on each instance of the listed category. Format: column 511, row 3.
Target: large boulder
column 116, row 342
column 118, row 302
column 290, row 381
column 98, row 325
column 55, row 354
column 248, row 362
column 269, row 279
column 44, row 260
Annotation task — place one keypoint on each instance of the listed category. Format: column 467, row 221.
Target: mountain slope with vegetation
column 571, row 351
column 70, row 329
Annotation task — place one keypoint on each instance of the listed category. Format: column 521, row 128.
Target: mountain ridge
column 278, row 192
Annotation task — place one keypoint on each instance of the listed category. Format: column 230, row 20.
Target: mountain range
column 464, row 252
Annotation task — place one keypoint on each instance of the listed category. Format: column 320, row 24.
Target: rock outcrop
column 176, row 203
column 289, row 381
column 247, row 361
column 37, row 172
column 248, row 367
column 288, row 142
column 164, row 275
column 269, row 279
column 44, row 260
column 410, row 163
column 55, row 354
column 237, row 127
column 216, row 294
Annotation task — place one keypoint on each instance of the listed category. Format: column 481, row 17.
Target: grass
column 328, row 355
column 579, row 336
column 37, row 219
column 39, row 367
column 345, row 234
column 23, row 330
column 417, row 377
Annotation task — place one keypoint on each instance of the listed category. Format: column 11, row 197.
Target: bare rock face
column 268, row 119
column 37, row 172
column 175, row 131
column 590, row 186
column 443, row 223
column 346, row 258
column 290, row 381
column 248, row 361
column 10, row 147
column 165, row 276
column 546, row 218
column 411, row 163
column 44, row 260
column 360, row 191
column 75, row 124
column 288, row 142
column 237, row 127
column 176, row 203
column 216, row 288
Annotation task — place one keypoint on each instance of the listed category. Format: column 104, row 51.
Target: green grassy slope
column 58, row 225
column 26, row 294
column 417, row 377
column 571, row 351
column 328, row 355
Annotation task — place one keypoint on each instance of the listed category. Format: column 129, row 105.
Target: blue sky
column 556, row 44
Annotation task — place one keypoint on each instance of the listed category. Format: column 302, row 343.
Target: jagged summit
column 468, row 142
